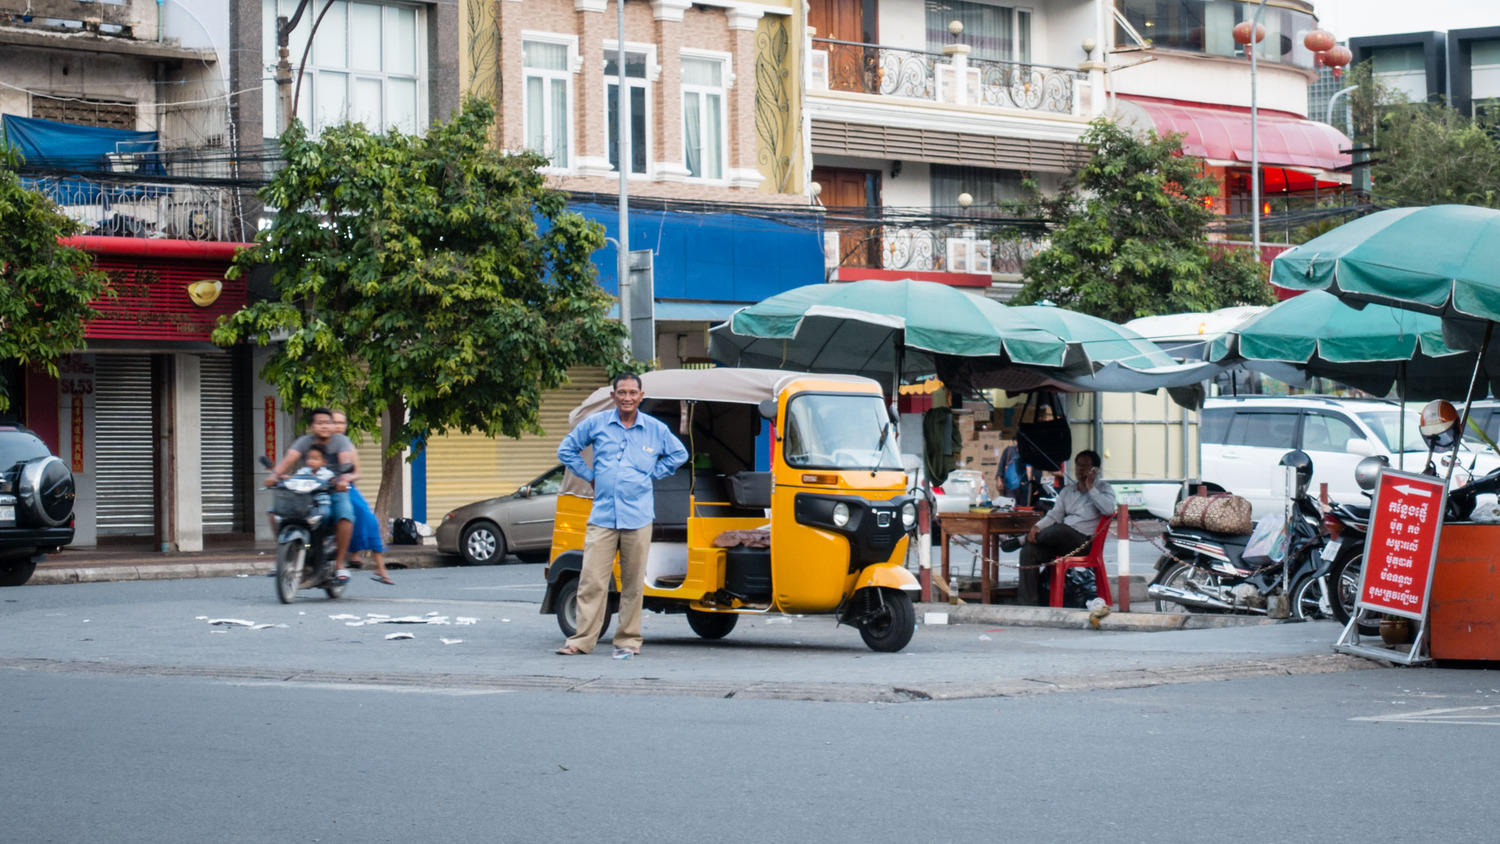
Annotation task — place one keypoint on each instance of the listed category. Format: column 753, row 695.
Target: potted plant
column 1397, row 630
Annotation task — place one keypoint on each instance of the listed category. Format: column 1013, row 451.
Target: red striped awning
column 1222, row 134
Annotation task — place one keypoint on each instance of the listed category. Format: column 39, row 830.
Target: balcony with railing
column 177, row 194
column 947, row 78
column 931, row 248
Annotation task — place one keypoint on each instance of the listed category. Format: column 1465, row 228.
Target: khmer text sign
column 1402, row 543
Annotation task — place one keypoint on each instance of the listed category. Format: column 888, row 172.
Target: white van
column 1242, row 441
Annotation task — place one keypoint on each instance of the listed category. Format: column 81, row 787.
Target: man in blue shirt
column 631, row 450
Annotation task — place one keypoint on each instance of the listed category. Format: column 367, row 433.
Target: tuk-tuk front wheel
column 711, row 625
column 567, row 609
column 892, row 621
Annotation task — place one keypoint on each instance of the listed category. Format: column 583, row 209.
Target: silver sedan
column 485, row 531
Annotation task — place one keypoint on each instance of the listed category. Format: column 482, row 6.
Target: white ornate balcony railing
column 954, row 250
column 918, row 74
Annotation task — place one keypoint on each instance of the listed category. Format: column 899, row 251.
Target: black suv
column 36, row 503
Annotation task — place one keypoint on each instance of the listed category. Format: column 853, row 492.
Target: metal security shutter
column 221, row 456
column 124, row 466
column 463, row 468
column 369, row 468
column 941, row 146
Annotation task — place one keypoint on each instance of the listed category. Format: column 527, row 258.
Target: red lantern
column 1318, row 41
column 1242, row 33
column 1337, row 56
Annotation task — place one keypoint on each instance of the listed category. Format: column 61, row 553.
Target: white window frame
column 308, row 96
column 566, row 75
column 653, row 73
column 726, row 62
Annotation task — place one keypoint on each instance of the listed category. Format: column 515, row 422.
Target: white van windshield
column 840, row 432
column 1387, row 426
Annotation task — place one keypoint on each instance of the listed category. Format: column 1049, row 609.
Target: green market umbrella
column 1372, row 349
column 876, row 328
column 1442, row 260
column 1100, row 355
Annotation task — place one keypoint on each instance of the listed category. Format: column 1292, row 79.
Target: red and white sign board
column 1401, row 547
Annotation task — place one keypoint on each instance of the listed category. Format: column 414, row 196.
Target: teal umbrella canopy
column 1441, row 259
column 1094, row 342
column 1371, row 349
column 866, row 327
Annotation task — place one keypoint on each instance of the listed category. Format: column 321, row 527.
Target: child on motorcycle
column 315, row 465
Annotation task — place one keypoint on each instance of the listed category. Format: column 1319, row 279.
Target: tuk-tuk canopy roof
column 733, row 386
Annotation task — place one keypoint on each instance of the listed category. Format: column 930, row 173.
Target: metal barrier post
column 924, row 549
column 1122, row 555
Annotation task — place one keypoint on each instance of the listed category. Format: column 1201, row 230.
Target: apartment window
column 988, row 187
column 703, row 127
column 548, row 96
column 640, row 107
column 995, row 33
column 365, row 65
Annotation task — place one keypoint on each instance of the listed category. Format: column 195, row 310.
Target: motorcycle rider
column 340, row 446
column 1069, row 524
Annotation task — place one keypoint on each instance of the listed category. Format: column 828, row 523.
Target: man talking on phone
column 1069, row 524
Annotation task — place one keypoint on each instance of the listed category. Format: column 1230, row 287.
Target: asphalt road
column 130, row 719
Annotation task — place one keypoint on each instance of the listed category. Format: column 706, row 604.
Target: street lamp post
column 1249, row 33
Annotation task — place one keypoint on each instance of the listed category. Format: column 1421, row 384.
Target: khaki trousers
column 600, row 545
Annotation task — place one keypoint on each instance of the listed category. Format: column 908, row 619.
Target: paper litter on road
column 463, row 620
column 505, row 620
column 242, row 575
column 452, row 641
column 341, row 616
column 934, row 618
column 399, row 636
column 434, row 612
column 201, row 617
column 375, row 615
column 354, row 624
column 232, row 622
column 782, row 620
column 264, row 626
column 984, row 638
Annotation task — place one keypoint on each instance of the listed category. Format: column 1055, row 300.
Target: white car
column 1242, row 441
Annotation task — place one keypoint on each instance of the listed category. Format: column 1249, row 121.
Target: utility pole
column 622, row 134
column 284, row 29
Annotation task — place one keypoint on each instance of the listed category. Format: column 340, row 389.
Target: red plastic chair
column 1094, row 560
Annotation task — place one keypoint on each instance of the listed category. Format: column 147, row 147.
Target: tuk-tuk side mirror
column 768, row 409
column 524, row 492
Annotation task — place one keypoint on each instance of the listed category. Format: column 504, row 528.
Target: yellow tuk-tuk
column 825, row 531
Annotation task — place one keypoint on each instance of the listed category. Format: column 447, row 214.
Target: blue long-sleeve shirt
column 626, row 461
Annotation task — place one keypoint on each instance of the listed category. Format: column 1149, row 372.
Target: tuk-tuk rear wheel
column 711, row 625
column 567, row 609
column 890, row 629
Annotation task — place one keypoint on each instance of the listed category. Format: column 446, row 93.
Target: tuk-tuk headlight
column 908, row 515
column 840, row 514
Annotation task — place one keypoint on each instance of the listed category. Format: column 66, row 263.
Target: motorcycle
column 1205, row 571
column 306, row 548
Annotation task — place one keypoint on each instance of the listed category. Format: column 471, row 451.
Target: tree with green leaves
column 1130, row 236
column 46, row 288
column 431, row 279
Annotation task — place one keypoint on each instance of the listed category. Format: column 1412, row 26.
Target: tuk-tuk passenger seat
column 751, row 490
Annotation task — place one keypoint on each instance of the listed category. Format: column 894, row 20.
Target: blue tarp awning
column 719, row 257
column 63, row 146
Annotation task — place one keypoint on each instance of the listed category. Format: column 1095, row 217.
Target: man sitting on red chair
column 1068, row 527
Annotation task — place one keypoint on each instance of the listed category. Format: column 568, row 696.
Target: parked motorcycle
column 1205, row 571
column 306, row 548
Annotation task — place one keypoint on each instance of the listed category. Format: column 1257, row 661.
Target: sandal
column 569, row 650
column 380, row 578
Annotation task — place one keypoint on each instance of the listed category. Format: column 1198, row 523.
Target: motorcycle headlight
column 908, row 515
column 840, row 514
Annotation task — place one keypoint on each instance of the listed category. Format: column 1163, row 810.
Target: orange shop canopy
column 1221, row 134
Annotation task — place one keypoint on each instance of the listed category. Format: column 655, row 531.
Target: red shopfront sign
column 165, row 289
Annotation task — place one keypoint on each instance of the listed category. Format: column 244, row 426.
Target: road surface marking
column 1480, row 716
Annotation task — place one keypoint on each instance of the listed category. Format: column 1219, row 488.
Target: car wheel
column 16, row 573
column 482, row 544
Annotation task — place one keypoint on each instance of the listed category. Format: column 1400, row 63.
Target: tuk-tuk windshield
column 840, row 431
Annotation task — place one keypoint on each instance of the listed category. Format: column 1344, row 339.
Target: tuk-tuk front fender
column 889, row 575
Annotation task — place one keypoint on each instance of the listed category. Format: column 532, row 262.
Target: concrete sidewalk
column 98, row 565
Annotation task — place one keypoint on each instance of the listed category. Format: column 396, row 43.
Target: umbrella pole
column 1401, row 441
column 1463, row 419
